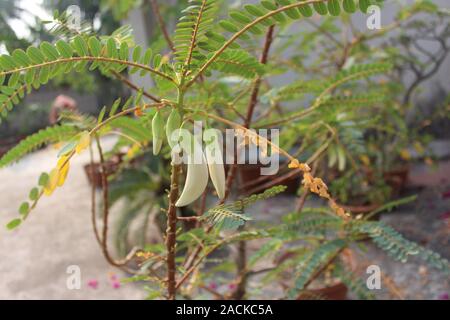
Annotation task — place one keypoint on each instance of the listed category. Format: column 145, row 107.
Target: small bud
column 157, row 129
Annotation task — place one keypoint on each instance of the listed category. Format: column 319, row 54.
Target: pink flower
column 443, row 296
column 116, row 284
column 213, row 286
column 445, row 215
column 93, row 284
column 232, row 286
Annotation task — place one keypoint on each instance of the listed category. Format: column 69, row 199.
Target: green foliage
column 132, row 128
column 204, row 44
column 311, row 222
column 272, row 246
column 37, row 65
column 137, row 208
column 269, row 193
column 230, row 216
column 354, row 284
column 238, row 62
column 10, row 95
column 391, row 205
column 321, row 88
column 49, row 135
column 131, row 184
column 195, row 40
column 13, row 224
column 354, row 73
column 25, row 207
column 313, row 261
column 355, row 100
column 43, row 179
column 191, row 30
column 317, row 224
column 269, row 12
column 61, row 26
column 225, row 218
column 398, row 247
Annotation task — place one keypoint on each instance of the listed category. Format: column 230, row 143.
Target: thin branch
column 254, row 96
column 93, row 198
column 241, row 261
column 325, row 32
column 134, row 87
column 104, row 240
column 171, row 233
column 194, row 35
column 162, row 24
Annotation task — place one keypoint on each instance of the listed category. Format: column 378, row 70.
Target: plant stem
column 134, row 86
column 104, row 239
column 241, row 261
column 162, row 24
column 104, row 178
column 171, row 233
column 254, row 96
column 93, row 198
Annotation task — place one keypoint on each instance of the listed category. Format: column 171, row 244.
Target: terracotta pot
column 93, row 171
column 397, row 179
column 252, row 181
column 337, row 291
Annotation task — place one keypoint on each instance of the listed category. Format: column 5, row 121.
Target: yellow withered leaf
column 405, row 155
column 365, row 159
column 62, row 162
column 295, row 164
column 52, row 182
column 315, row 185
column 84, row 141
column 134, row 149
column 63, row 168
column 138, row 112
column 419, row 148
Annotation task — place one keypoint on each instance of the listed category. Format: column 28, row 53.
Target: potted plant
column 193, row 89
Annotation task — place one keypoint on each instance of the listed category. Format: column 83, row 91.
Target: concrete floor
column 34, row 258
